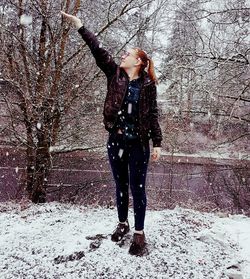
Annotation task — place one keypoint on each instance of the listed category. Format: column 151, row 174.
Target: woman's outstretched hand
column 73, row 19
column 156, row 153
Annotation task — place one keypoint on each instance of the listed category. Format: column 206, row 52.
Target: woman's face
column 129, row 59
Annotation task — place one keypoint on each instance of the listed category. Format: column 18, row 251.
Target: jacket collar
column 146, row 79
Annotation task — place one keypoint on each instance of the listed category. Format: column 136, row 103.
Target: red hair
column 147, row 63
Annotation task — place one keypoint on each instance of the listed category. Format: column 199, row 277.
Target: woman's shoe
column 138, row 245
column 120, row 231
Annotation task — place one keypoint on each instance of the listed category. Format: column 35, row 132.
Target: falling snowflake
column 120, row 152
column 38, row 125
column 129, row 108
column 25, row 19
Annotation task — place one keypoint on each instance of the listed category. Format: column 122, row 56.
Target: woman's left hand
column 156, row 153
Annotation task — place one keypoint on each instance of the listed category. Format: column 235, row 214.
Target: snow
column 61, row 148
column 39, row 125
column 68, row 241
column 25, row 19
column 238, row 227
column 129, row 108
column 120, row 152
column 210, row 155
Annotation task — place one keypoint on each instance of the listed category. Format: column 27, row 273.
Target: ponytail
column 147, row 63
column 151, row 71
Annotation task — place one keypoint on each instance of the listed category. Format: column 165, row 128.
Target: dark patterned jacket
column 117, row 83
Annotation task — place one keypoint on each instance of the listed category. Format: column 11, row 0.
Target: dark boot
column 120, row 231
column 138, row 245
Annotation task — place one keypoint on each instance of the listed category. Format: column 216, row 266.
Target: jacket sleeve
column 155, row 128
column 103, row 58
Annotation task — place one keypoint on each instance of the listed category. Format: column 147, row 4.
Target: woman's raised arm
column 103, row 58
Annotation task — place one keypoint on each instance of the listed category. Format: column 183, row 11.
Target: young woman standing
column 131, row 118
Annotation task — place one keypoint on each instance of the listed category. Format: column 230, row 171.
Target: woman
column 131, row 118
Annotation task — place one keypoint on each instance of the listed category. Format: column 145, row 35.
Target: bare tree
column 206, row 68
column 46, row 69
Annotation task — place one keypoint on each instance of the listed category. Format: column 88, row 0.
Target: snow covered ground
column 69, row 241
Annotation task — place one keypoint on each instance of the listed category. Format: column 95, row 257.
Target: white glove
column 156, row 153
column 73, row 19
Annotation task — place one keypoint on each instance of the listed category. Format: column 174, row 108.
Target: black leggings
column 129, row 162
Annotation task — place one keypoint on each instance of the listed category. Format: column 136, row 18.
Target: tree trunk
column 40, row 168
column 41, row 174
column 30, row 170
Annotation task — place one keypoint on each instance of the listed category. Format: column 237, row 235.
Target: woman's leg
column 119, row 164
column 138, row 163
